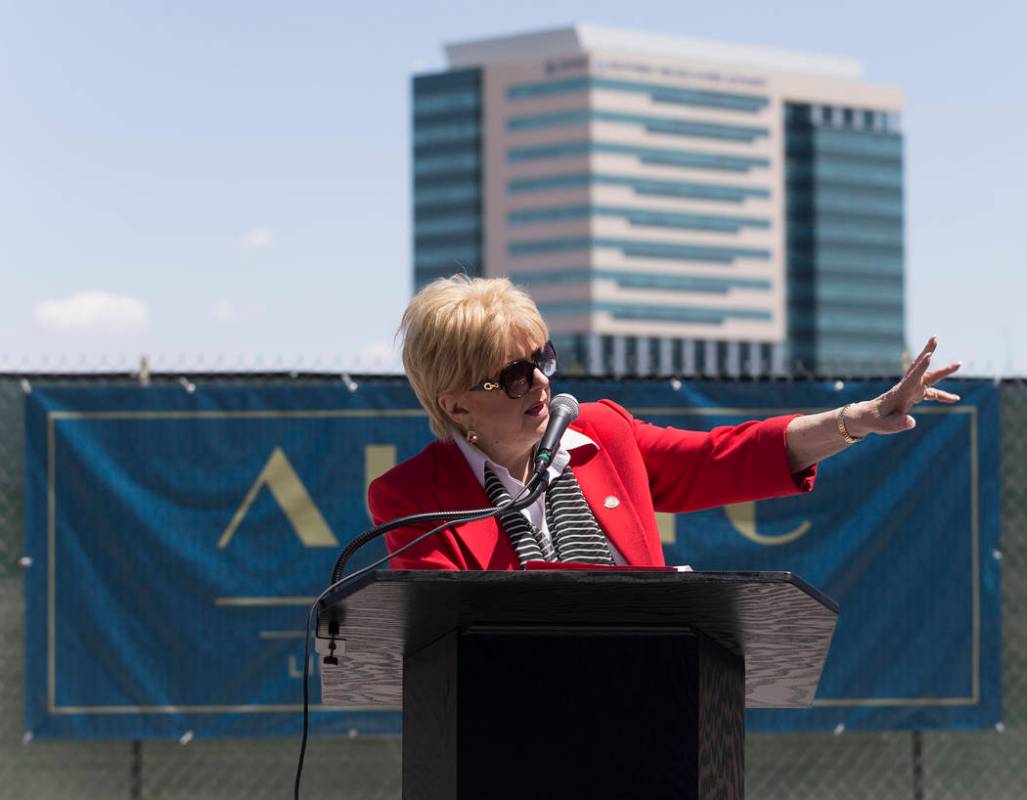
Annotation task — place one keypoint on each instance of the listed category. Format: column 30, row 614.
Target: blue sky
column 238, row 173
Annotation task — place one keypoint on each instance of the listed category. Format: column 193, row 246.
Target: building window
column 723, row 358
column 700, row 358
column 606, row 365
column 631, row 355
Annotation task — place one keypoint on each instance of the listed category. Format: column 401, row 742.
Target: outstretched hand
column 813, row 437
column 889, row 412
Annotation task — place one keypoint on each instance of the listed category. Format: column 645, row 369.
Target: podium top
column 781, row 625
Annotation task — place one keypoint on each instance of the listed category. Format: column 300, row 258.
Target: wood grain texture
column 780, row 626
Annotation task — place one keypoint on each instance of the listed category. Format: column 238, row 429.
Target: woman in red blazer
column 477, row 354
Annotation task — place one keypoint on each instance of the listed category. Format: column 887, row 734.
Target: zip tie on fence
column 186, row 737
column 675, row 384
column 25, row 562
column 144, row 370
column 350, row 383
column 186, row 384
column 26, row 387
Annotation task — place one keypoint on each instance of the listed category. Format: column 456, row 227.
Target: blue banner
column 178, row 537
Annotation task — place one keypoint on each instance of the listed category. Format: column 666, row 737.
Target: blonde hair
column 458, row 332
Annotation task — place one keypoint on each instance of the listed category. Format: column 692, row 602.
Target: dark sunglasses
column 517, row 378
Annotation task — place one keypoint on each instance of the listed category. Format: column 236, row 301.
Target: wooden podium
column 576, row 684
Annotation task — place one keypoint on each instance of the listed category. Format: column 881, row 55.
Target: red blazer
column 646, row 467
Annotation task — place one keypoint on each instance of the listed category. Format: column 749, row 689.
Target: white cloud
column 225, row 311
column 92, row 312
column 258, row 239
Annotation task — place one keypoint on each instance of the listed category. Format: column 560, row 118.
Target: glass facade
column 604, row 354
column 845, row 248
column 633, row 279
column 668, row 125
column 647, row 313
column 657, row 92
column 447, row 167
column 641, row 186
column 630, row 354
column 662, row 156
column 637, row 249
column 636, row 217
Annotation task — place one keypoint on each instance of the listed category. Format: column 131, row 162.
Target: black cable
column 306, row 700
column 385, row 527
column 538, row 479
column 515, row 504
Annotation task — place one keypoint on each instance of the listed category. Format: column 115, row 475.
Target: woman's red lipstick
column 536, row 410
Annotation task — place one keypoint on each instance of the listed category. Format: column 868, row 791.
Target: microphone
column 563, row 410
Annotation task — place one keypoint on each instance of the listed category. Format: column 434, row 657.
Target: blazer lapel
column 458, row 489
column 600, row 481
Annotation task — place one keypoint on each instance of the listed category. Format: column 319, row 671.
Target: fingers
column 929, row 348
column 921, row 362
column 936, row 375
column 932, row 377
column 940, row 396
column 916, row 373
column 917, row 383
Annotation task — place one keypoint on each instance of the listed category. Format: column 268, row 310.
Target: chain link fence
column 982, row 765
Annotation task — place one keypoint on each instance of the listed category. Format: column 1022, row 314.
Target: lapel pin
column 611, row 502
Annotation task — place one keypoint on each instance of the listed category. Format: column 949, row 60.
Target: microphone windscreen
column 563, row 410
column 567, row 404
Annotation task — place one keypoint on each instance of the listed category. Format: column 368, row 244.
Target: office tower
column 674, row 206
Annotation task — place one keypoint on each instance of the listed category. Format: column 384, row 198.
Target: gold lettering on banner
column 742, row 517
column 291, row 495
column 378, row 459
column 666, row 524
column 295, row 666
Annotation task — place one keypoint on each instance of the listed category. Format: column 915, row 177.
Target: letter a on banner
column 290, row 493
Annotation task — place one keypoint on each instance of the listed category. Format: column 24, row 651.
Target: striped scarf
column 574, row 532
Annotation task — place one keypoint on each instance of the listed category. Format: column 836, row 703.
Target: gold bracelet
column 849, row 438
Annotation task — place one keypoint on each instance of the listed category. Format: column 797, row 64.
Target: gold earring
column 472, row 436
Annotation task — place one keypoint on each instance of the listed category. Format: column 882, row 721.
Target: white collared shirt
column 536, row 512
